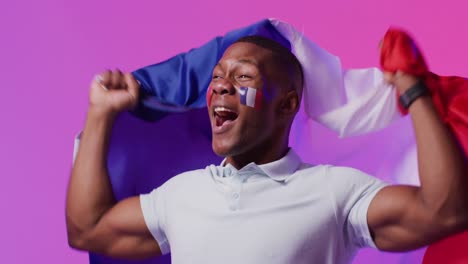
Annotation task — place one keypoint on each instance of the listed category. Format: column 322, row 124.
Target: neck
column 262, row 154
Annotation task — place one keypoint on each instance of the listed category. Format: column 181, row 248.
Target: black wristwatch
column 417, row 90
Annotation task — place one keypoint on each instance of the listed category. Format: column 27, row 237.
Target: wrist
column 404, row 82
column 101, row 113
column 412, row 93
column 99, row 122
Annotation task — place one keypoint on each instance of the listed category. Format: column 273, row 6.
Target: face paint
column 250, row 97
column 209, row 94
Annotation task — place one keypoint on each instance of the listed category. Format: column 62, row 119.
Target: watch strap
column 414, row 92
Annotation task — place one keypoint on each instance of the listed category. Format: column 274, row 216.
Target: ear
column 290, row 103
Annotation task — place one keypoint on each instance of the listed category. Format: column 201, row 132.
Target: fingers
column 112, row 80
column 117, row 80
column 399, row 79
column 394, row 77
column 114, row 91
column 133, row 87
column 389, row 77
column 104, row 78
column 121, row 90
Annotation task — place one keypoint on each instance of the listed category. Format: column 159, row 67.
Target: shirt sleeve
column 356, row 190
column 76, row 146
column 152, row 206
column 366, row 189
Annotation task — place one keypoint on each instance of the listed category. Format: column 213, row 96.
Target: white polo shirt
column 282, row 212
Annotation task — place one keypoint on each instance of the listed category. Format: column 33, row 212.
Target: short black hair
column 285, row 59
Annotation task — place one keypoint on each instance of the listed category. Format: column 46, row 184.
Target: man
column 262, row 205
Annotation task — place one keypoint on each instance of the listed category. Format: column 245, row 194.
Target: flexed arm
column 403, row 217
column 95, row 222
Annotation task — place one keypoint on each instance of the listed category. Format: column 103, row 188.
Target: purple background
column 51, row 49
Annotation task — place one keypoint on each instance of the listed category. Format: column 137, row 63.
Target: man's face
column 238, row 128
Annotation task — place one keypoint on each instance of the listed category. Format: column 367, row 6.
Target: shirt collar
column 278, row 170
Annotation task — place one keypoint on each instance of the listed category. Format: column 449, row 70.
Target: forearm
column 90, row 193
column 442, row 166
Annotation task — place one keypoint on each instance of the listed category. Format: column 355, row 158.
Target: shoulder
column 345, row 183
column 179, row 186
column 335, row 173
column 335, row 178
column 193, row 178
column 353, row 181
column 349, row 175
column 351, row 185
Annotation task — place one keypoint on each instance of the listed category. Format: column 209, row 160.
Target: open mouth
column 223, row 115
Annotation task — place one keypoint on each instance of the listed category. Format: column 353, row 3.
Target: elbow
column 85, row 241
column 447, row 225
column 76, row 237
column 76, row 243
column 460, row 223
column 446, row 215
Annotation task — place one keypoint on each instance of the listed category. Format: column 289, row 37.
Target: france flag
column 144, row 155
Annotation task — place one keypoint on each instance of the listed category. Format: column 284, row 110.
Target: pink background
column 51, row 49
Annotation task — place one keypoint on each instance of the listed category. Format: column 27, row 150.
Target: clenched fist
column 402, row 81
column 113, row 92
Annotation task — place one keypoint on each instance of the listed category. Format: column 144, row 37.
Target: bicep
column 123, row 233
column 399, row 221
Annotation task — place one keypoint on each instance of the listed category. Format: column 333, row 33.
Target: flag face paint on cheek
column 250, row 97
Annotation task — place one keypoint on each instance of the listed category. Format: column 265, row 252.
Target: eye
column 244, row 76
column 216, row 77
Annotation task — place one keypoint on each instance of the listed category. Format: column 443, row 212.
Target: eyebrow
column 242, row 61
column 248, row 61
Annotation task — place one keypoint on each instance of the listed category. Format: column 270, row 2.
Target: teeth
column 221, row 109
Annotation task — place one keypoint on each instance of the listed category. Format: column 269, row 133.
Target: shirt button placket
column 235, row 194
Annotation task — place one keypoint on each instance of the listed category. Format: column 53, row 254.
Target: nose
column 223, row 87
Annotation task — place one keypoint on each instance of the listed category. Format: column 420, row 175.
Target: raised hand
column 402, row 81
column 112, row 92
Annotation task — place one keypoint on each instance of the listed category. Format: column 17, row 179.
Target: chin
column 224, row 149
